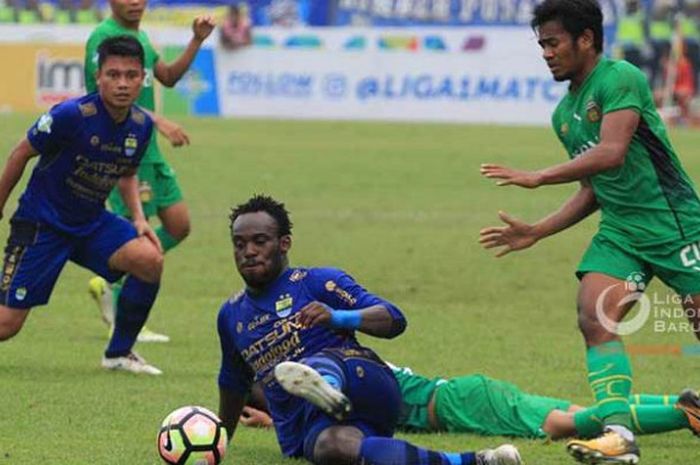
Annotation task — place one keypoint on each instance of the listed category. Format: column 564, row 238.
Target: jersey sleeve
column 621, row 89
column 54, row 130
column 340, row 291
column 234, row 374
column 91, row 59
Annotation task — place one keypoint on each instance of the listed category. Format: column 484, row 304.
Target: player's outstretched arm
column 518, row 235
column 616, row 132
column 170, row 74
column 375, row 320
column 169, row 129
column 231, row 406
column 129, row 190
column 14, row 167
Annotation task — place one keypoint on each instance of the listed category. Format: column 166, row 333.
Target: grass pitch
column 399, row 207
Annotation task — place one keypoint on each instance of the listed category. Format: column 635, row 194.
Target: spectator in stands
column 27, row 11
column 7, row 11
column 631, row 35
column 235, row 32
column 682, row 91
column 77, row 11
column 661, row 35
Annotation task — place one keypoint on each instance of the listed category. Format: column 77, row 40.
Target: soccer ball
column 192, row 436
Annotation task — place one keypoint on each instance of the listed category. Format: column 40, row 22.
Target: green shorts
column 481, row 405
column 677, row 264
column 158, row 189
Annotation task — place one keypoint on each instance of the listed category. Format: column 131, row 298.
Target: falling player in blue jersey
column 332, row 400
column 86, row 146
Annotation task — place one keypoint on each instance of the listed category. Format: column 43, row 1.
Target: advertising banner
column 475, row 75
column 43, row 74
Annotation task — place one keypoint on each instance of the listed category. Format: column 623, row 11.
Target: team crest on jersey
column 283, row 306
column 130, row 145
column 138, row 117
column 94, row 141
column 593, row 112
column 564, row 130
column 21, row 293
column 88, row 109
column 44, row 124
column 297, row 276
column 239, row 327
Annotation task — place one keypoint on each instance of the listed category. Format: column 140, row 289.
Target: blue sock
column 328, row 369
column 135, row 302
column 387, row 451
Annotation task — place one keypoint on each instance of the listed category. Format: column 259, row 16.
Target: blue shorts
column 36, row 253
column 372, row 390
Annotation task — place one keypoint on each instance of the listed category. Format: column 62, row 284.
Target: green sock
column 650, row 419
column 646, row 419
column 650, row 399
column 610, row 378
column 166, row 240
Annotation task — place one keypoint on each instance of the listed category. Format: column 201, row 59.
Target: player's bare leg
column 11, row 321
column 605, row 299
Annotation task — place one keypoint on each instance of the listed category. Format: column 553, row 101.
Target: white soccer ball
column 192, row 436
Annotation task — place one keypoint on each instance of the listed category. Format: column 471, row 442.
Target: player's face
column 260, row 253
column 129, row 11
column 563, row 55
column 119, row 81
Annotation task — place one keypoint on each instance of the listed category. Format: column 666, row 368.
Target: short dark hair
column 264, row 203
column 121, row 46
column 575, row 17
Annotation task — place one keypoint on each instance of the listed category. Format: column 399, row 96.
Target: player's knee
column 183, row 230
column 337, row 446
column 152, row 267
column 8, row 329
column 591, row 328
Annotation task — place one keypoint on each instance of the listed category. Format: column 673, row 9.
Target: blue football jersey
column 83, row 153
column 259, row 331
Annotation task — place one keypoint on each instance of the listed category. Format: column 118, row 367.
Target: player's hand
column 173, row 132
column 516, row 235
column 143, row 228
column 509, row 176
column 314, row 314
column 255, row 418
column 202, row 27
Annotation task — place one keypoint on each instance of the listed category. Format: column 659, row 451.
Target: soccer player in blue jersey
column 86, row 146
column 332, row 400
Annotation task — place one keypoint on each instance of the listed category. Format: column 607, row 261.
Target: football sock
column 386, row 451
column 135, row 302
column 167, row 241
column 610, row 378
column 649, row 399
column 328, row 369
column 646, row 419
column 116, row 290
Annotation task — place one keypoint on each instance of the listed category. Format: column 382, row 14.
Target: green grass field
column 400, row 208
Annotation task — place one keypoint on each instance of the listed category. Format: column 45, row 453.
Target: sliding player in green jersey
column 481, row 405
column 650, row 212
column 158, row 186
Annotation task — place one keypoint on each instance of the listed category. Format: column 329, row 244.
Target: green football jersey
column 110, row 28
column 650, row 199
column 416, row 392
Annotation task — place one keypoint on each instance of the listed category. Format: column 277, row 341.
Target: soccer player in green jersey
column 481, row 405
column 650, row 213
column 158, row 186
